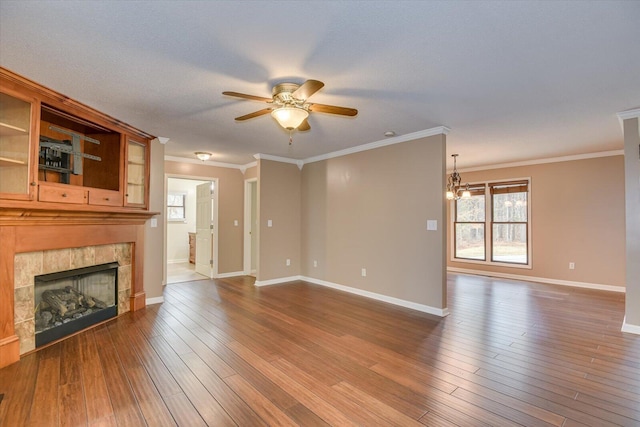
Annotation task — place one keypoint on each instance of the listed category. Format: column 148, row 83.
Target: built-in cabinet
column 16, row 122
column 136, row 172
column 56, row 150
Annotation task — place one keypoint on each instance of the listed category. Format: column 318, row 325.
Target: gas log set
column 59, row 306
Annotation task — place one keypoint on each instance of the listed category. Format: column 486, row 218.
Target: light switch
column 235, row 222
column 269, row 223
column 432, row 224
column 154, row 222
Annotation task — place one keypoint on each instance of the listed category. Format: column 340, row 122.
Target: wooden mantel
column 30, row 227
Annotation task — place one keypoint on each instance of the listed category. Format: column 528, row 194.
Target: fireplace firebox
column 72, row 300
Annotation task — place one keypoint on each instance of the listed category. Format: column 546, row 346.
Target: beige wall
column 370, row 210
column 278, row 201
column 154, row 256
column 251, row 172
column 230, row 207
column 632, row 180
column 577, row 214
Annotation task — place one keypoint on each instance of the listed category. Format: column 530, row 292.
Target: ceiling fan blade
column 245, row 96
column 307, row 89
column 332, row 109
column 304, row 126
column 254, row 114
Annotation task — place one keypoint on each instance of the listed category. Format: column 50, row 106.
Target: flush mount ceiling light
column 389, row 133
column 455, row 189
column 203, row 155
column 290, row 117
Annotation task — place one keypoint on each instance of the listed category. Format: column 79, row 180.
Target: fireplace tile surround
column 35, row 241
column 30, row 264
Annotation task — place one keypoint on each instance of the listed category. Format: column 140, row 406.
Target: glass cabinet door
column 15, row 144
column 136, row 173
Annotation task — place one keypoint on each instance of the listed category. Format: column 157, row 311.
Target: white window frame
column 184, row 206
column 488, row 233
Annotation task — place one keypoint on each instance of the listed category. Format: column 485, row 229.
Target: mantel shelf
column 35, row 213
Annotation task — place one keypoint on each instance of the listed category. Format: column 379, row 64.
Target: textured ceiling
column 513, row 80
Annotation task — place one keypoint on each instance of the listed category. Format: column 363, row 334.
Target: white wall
column 178, row 232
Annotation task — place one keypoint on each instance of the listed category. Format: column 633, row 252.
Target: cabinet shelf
column 10, row 130
column 5, row 161
column 54, row 169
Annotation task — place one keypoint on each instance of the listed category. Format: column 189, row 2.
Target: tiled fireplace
column 30, row 265
column 41, row 242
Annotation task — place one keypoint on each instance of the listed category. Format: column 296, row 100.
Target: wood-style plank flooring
column 224, row 353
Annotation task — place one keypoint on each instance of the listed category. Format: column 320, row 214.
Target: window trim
column 488, row 228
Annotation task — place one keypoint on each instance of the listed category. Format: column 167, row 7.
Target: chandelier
column 455, row 189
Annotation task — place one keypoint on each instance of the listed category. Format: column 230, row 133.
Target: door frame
column 247, row 226
column 215, row 218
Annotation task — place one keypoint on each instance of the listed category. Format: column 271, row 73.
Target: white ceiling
column 513, row 80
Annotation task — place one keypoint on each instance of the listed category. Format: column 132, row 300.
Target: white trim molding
column 627, row 327
column 277, row 281
column 260, row 156
column 629, row 114
column 206, row 163
column 440, row 130
column 441, row 312
column 231, row 274
column 155, row 300
column 585, row 285
column 544, row 161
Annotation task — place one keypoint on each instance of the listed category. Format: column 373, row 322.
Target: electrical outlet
column 364, row 272
column 288, row 262
column 315, row 263
column 572, row 266
column 235, row 222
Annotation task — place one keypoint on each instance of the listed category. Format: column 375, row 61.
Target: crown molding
column 208, row 163
column 260, row 156
column 629, row 114
column 440, row 130
column 543, row 161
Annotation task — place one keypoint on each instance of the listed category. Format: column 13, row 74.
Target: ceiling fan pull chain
column 290, row 136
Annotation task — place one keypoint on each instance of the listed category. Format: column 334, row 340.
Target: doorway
column 250, row 226
column 181, row 230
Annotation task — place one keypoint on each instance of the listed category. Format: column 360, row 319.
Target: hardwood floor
column 226, row 353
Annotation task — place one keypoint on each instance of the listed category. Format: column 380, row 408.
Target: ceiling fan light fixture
column 203, row 155
column 290, row 117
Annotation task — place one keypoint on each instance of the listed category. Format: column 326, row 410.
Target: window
column 470, row 225
column 492, row 227
column 176, row 207
column 509, row 231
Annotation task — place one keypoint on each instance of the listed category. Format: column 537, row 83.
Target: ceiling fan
column 289, row 106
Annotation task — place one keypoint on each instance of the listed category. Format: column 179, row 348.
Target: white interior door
column 204, row 229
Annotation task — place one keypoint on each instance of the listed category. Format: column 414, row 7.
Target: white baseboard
column 277, row 281
column 232, row 274
column 155, row 300
column 539, row 279
column 442, row 312
column 632, row 329
column 177, row 261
